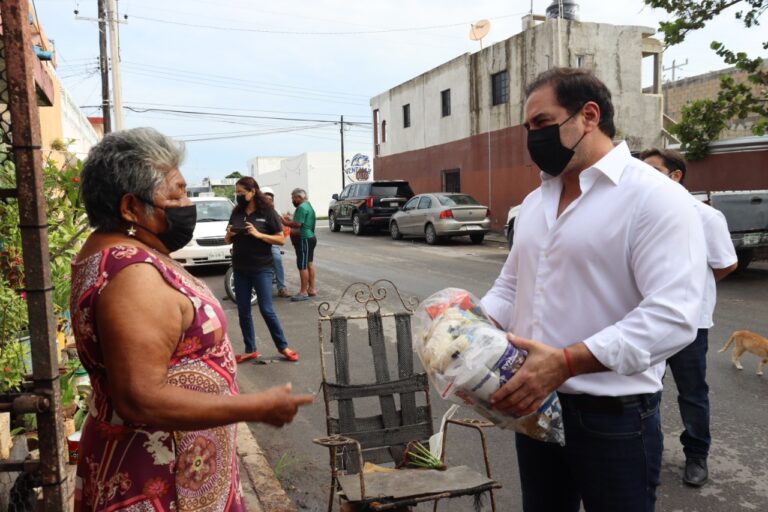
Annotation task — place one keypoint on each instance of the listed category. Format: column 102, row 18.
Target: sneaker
column 299, row 297
column 283, row 292
column 290, row 355
column 240, row 358
column 696, row 473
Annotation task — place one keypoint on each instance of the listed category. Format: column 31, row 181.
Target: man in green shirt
column 304, row 221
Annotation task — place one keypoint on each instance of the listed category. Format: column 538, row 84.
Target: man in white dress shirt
column 689, row 366
column 602, row 285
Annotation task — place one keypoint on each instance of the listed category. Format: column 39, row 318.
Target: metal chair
column 354, row 440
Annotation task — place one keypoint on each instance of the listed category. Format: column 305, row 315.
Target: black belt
column 603, row 404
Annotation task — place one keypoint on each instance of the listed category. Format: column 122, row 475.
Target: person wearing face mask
column 689, row 366
column 278, row 271
column 160, row 434
column 602, row 285
column 254, row 227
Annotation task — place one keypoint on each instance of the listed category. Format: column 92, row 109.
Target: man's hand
column 543, row 371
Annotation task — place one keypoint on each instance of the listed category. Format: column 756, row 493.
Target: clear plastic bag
column 467, row 359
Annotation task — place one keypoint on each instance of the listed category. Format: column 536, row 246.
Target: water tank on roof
column 570, row 10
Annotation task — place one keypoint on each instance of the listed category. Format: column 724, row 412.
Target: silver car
column 439, row 215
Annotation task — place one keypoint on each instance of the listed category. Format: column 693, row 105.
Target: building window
column 445, row 100
column 500, row 87
column 579, row 61
column 452, row 181
column 406, row 115
column 383, row 131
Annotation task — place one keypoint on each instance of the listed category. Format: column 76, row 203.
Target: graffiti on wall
column 358, row 168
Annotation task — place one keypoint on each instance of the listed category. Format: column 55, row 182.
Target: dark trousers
column 689, row 368
column 611, row 461
column 261, row 281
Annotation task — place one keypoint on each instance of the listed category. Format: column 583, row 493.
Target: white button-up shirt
column 621, row 269
column 720, row 254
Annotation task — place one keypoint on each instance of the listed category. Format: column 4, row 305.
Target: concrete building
column 706, row 86
column 459, row 126
column 319, row 173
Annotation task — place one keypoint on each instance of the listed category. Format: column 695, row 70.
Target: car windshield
column 457, row 200
column 391, row 190
column 212, row 211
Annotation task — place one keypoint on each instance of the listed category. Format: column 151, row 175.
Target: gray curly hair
column 126, row 162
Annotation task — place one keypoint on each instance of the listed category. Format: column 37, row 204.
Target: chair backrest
column 382, row 436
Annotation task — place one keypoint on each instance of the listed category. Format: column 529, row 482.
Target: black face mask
column 181, row 226
column 241, row 200
column 546, row 149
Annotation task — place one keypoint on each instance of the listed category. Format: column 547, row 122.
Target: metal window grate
column 500, row 87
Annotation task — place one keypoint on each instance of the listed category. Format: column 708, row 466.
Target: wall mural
column 358, row 168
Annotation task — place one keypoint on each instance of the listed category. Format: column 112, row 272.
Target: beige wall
column 678, row 93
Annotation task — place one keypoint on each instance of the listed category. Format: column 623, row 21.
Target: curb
column 261, row 490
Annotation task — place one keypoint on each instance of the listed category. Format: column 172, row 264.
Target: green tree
column 233, row 175
column 703, row 120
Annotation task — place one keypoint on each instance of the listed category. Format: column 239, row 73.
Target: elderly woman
column 160, row 434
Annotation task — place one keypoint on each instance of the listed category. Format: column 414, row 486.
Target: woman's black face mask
column 546, row 149
column 241, row 200
column 181, row 225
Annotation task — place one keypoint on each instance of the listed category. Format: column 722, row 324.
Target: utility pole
column 341, row 130
column 674, row 66
column 114, row 47
column 104, row 67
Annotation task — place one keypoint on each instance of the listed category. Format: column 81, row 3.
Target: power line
column 246, row 116
column 304, row 33
column 239, row 109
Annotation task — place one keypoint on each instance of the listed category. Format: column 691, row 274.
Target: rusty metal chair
column 356, row 437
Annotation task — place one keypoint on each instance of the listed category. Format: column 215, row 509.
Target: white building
column 319, row 173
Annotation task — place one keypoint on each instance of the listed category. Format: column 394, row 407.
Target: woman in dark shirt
column 253, row 228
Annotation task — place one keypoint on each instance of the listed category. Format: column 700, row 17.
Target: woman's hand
column 252, row 231
column 280, row 406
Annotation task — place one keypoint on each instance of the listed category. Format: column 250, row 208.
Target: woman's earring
column 131, row 231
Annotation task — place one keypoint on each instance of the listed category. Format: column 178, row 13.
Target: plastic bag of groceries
column 467, row 358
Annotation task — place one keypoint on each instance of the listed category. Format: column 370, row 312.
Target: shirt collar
column 614, row 162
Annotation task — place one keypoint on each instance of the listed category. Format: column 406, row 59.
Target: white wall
column 75, row 126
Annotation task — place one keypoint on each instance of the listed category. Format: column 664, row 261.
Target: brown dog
column 750, row 342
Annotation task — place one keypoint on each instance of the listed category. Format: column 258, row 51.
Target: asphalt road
column 738, row 468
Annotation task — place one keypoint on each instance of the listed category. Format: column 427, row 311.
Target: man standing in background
column 277, row 258
column 304, row 221
column 689, row 366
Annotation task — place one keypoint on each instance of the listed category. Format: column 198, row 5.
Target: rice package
column 467, row 358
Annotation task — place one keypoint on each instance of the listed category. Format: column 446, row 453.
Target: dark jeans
column 261, row 281
column 689, row 368
column 611, row 461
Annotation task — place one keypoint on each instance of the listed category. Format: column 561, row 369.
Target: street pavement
column 738, row 468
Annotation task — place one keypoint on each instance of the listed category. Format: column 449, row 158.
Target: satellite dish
column 479, row 30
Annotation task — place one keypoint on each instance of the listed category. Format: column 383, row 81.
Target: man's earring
column 131, row 231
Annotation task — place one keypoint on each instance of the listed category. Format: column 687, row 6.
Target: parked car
column 439, row 215
column 367, row 205
column 207, row 246
column 509, row 227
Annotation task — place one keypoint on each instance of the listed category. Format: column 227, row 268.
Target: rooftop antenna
column 479, row 30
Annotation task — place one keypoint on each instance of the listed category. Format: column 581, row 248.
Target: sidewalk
column 261, row 490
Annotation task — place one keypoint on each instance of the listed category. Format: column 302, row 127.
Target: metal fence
column 30, row 482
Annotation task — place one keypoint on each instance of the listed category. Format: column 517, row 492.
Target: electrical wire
column 239, row 109
column 246, row 116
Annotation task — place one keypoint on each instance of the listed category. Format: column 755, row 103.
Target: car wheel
column 431, row 235
column 229, row 287
column 477, row 238
column 744, row 257
column 357, row 228
column 332, row 223
column 394, row 231
column 510, row 237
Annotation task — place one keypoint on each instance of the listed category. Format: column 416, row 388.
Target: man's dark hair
column 672, row 159
column 573, row 89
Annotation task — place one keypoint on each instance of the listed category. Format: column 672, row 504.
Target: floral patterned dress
column 125, row 467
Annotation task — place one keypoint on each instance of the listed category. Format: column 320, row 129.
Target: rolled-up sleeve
column 668, row 260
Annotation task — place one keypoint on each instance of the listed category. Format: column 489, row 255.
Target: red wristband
column 568, row 362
